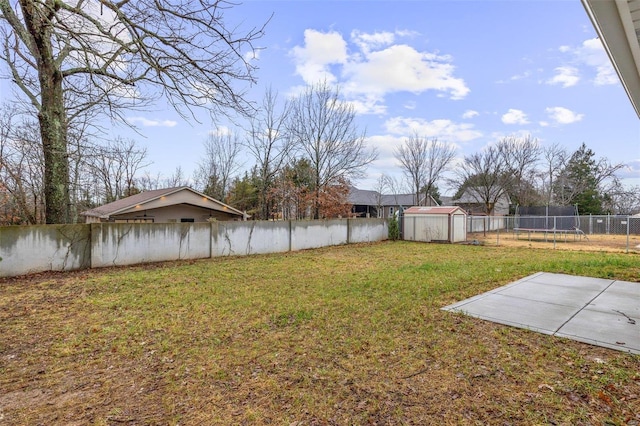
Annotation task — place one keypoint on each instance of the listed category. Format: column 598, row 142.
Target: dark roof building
column 180, row 204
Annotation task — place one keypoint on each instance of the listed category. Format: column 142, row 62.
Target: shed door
column 459, row 228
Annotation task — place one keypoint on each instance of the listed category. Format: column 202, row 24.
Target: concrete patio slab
column 592, row 310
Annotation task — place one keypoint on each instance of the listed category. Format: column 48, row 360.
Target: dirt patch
column 610, row 243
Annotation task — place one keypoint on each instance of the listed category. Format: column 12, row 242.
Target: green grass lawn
column 342, row 335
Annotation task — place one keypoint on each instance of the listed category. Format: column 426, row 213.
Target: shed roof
column 448, row 210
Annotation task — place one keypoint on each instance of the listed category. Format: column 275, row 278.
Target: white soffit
column 617, row 23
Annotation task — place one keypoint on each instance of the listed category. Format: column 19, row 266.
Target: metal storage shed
column 448, row 224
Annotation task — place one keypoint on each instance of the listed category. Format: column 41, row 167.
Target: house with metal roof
column 170, row 205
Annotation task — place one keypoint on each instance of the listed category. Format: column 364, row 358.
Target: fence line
column 39, row 248
column 588, row 224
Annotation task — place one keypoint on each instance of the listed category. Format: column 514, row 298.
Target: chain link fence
column 552, row 226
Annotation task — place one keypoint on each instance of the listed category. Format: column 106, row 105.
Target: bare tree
column 521, row 157
column 270, row 146
column 21, row 171
column 115, row 166
column 219, row 164
column 381, row 187
column 412, row 156
column 323, row 128
column 482, row 176
column 108, row 56
column 176, row 179
column 423, row 163
column 149, row 182
column 555, row 157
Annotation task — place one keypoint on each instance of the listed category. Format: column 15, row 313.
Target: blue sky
column 465, row 72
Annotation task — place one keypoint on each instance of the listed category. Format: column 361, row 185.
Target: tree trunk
column 51, row 115
column 54, row 146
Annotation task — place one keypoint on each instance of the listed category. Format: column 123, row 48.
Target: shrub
column 394, row 228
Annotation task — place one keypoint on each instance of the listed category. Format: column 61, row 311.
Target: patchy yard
column 342, row 335
column 595, row 242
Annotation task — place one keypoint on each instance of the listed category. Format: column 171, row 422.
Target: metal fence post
column 628, row 230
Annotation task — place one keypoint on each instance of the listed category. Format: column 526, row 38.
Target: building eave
column 617, row 23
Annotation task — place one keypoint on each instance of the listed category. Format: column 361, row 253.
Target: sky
column 465, row 72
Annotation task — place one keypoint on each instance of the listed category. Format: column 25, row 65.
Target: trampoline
column 548, row 220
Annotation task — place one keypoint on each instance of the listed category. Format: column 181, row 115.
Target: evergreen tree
column 578, row 183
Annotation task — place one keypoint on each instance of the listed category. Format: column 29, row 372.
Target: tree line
column 305, row 152
column 521, row 169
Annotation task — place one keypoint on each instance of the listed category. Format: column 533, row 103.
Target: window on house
column 187, row 220
column 136, row 220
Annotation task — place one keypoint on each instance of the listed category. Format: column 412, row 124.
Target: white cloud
column 385, row 145
column 368, row 105
column 410, row 105
column 320, row 50
column 377, row 66
column 470, row 114
column 561, row 115
column 566, row 76
column 366, row 41
column 220, row 131
column 630, row 170
column 516, row 77
column 514, row 116
column 145, row 122
column 522, row 76
column 402, row 68
column 591, row 54
column 442, row 129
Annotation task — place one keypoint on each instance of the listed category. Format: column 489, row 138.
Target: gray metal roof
column 367, row 197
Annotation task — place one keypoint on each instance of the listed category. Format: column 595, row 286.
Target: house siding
column 174, row 213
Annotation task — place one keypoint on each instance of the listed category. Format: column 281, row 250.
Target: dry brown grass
column 343, row 335
column 607, row 243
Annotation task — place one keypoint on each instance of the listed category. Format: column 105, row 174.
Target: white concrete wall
column 31, row 249
column 131, row 243
column 306, row 234
column 367, row 230
column 252, row 237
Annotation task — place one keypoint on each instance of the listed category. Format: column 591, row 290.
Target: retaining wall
column 30, row 249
